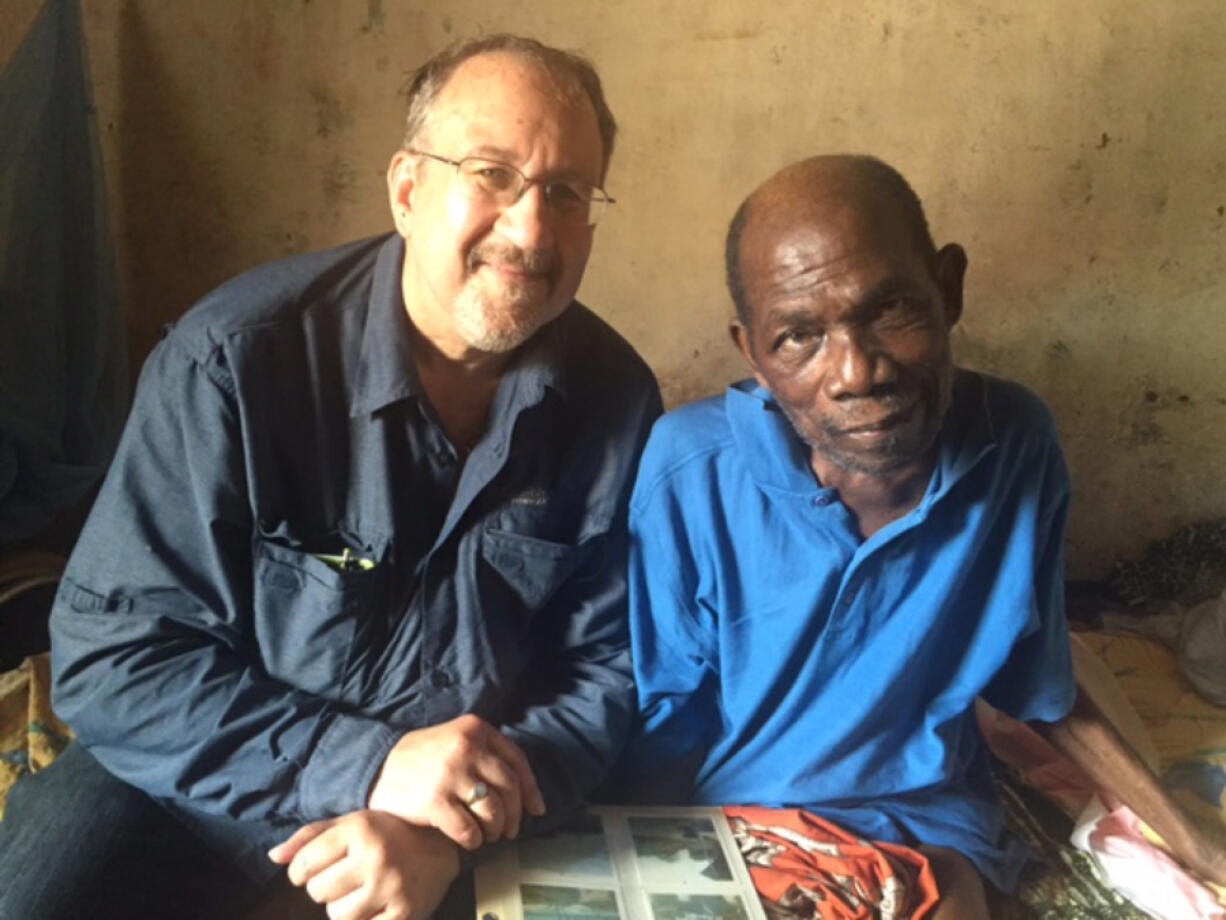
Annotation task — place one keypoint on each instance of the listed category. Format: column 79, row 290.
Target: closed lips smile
column 890, row 421
column 875, row 426
column 512, row 271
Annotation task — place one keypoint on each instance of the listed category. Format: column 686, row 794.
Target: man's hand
column 1207, row 854
column 369, row 864
column 428, row 779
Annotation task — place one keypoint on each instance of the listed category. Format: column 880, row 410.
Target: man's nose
column 857, row 364
column 526, row 222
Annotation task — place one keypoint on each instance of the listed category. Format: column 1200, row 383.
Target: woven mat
column 30, row 734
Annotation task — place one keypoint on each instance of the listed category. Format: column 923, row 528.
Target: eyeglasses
column 571, row 200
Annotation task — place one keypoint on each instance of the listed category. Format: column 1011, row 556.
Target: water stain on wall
column 1076, row 186
column 337, row 183
column 724, row 35
column 1147, row 421
column 330, row 115
column 286, row 241
column 374, row 16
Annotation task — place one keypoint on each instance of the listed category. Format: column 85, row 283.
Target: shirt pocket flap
column 533, row 568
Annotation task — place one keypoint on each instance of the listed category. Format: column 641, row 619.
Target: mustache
column 883, row 401
column 528, row 261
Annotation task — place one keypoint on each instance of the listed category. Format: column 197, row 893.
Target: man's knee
column 76, row 842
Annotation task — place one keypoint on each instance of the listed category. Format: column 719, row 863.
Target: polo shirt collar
column 778, row 459
column 968, row 435
column 386, row 370
column 768, row 444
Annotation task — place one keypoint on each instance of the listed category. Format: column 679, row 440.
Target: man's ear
column 949, row 271
column 401, row 177
column 744, row 342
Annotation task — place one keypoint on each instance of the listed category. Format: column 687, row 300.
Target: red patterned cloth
column 804, row 866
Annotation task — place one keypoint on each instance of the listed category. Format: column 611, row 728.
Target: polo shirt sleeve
column 155, row 664
column 1036, row 681
column 674, row 642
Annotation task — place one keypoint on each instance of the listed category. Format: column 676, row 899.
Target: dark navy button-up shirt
column 288, row 565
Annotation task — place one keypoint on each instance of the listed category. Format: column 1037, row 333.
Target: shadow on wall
column 178, row 233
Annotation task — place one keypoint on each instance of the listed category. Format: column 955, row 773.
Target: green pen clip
column 346, row 561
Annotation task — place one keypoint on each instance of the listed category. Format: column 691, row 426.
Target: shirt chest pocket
column 530, row 568
column 308, row 613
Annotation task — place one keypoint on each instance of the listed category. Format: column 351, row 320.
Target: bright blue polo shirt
column 784, row 660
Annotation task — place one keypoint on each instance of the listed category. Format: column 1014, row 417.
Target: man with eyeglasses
column 353, row 589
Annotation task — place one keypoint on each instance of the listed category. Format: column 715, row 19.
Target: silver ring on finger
column 478, row 792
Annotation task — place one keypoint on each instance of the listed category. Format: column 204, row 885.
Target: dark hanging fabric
column 63, row 361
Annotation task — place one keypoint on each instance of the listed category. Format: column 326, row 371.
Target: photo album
column 622, row 863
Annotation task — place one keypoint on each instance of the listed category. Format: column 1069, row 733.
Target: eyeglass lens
column 571, row 199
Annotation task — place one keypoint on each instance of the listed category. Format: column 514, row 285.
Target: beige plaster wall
column 1076, row 150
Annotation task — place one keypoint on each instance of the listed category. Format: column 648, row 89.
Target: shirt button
column 821, row 501
column 441, row 680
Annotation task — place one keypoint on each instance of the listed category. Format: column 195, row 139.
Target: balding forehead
column 790, row 212
column 835, row 193
column 817, row 192
column 839, row 174
column 564, row 89
column 504, row 75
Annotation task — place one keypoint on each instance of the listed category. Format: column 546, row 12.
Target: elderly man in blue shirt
column 358, row 567
column 831, row 561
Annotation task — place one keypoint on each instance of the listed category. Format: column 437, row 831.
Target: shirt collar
column 387, row 372
column 768, row 444
column 778, row 459
column 541, row 363
column 968, row 435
